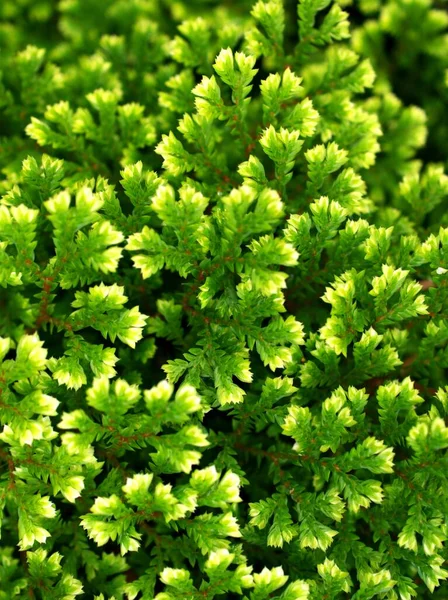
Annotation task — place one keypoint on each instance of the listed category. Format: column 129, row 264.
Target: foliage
column 224, row 292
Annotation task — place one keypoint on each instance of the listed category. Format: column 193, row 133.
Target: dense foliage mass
column 224, row 299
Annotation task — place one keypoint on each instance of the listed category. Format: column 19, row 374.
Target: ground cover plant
column 224, row 299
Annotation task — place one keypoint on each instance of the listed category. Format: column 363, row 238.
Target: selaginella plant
column 224, row 300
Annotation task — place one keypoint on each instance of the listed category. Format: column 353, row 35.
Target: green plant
column 224, row 292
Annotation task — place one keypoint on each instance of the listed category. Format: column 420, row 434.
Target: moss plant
column 224, row 300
